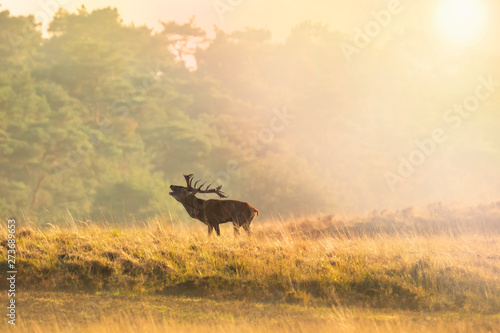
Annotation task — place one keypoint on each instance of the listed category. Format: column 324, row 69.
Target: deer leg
column 236, row 230
column 247, row 228
column 210, row 229
column 217, row 230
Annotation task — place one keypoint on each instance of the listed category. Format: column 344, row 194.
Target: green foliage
column 97, row 118
column 100, row 118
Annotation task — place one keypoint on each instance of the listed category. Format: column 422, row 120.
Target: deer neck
column 194, row 207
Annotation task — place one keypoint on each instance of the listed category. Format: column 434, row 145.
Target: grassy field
column 430, row 269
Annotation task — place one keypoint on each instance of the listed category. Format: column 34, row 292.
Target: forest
column 99, row 118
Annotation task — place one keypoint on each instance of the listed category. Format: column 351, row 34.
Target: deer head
column 182, row 193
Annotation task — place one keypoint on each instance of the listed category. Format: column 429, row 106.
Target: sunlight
column 461, row 21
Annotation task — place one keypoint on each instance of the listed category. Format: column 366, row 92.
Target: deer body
column 214, row 212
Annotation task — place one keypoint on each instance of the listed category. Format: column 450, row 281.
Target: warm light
column 461, row 21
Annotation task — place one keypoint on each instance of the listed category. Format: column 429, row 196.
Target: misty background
column 99, row 116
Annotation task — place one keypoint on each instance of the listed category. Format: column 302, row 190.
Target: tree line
column 99, row 117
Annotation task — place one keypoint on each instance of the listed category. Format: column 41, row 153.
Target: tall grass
column 432, row 261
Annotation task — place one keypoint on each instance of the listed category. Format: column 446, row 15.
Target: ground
column 434, row 269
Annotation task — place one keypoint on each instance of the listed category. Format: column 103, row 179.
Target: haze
column 324, row 107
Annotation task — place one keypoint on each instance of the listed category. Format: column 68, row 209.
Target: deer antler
column 195, row 189
column 189, row 181
column 214, row 190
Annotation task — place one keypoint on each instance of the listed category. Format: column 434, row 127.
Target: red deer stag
column 213, row 212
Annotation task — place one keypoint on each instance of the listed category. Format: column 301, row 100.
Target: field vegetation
column 428, row 269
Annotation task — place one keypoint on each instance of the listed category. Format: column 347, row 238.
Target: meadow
column 426, row 269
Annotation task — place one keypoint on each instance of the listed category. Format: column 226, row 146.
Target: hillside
column 426, row 261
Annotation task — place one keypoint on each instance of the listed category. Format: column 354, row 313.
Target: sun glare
column 461, row 21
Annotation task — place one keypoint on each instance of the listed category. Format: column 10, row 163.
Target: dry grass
column 84, row 313
column 435, row 269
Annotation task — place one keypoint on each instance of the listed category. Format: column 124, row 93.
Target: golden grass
column 434, row 270
column 83, row 313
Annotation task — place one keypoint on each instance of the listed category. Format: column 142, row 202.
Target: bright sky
column 277, row 15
